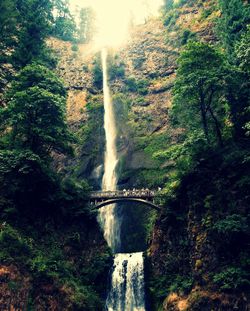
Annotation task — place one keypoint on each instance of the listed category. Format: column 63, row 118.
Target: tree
column 241, row 93
column 34, row 118
column 168, row 4
column 34, row 22
column 235, row 15
column 97, row 71
column 8, row 29
column 243, row 51
column 64, row 26
column 86, row 25
column 199, row 90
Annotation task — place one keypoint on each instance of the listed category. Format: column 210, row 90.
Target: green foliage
column 182, row 157
column 141, row 101
column 170, row 18
column 34, row 19
column 84, row 297
column 138, row 62
column 207, row 12
column 8, row 20
column 137, row 85
column 36, row 101
column 92, row 131
column 243, row 51
column 198, row 90
column 232, row 23
column 171, row 4
column 86, row 25
column 180, row 3
column 186, row 36
column 73, row 197
column 14, row 247
column 181, row 284
column 231, row 224
column 121, row 108
column 168, row 4
column 46, row 260
column 64, row 26
column 27, row 183
column 116, row 70
column 131, row 84
column 34, row 125
column 74, row 48
column 231, row 278
column 162, row 285
column 97, row 72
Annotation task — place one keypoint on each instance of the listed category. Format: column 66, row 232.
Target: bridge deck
column 119, row 194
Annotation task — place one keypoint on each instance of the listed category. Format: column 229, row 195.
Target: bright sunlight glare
column 113, row 17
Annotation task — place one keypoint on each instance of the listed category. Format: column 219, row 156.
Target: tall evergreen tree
column 35, row 22
column 86, row 25
column 8, row 28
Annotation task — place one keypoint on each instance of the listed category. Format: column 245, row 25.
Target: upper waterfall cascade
column 108, row 219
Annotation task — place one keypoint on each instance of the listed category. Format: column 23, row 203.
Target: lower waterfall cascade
column 127, row 284
column 127, row 280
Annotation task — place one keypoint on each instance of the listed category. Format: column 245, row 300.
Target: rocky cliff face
column 194, row 256
column 141, row 77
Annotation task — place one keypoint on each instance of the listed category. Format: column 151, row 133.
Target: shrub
column 131, row 84
column 181, row 284
column 13, row 247
column 116, row 71
column 97, row 72
column 140, row 86
column 231, row 224
column 74, row 48
column 187, row 35
column 170, row 18
column 232, row 278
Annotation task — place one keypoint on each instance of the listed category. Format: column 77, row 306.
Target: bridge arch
column 135, row 200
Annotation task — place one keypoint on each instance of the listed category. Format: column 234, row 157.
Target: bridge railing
column 135, row 193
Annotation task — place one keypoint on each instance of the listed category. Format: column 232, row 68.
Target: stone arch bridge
column 144, row 196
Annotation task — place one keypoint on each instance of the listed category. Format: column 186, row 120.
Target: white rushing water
column 127, row 288
column 108, row 219
column 127, row 285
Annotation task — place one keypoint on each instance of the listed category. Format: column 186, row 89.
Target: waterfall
column 109, row 221
column 127, row 284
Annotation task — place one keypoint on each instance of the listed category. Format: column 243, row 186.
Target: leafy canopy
column 199, row 89
column 35, row 114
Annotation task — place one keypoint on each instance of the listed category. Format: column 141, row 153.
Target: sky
column 114, row 17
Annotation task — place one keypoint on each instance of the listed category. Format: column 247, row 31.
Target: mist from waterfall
column 127, row 283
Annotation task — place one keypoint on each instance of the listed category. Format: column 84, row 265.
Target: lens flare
column 114, row 17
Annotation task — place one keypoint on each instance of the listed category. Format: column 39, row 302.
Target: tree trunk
column 217, row 126
column 203, row 116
